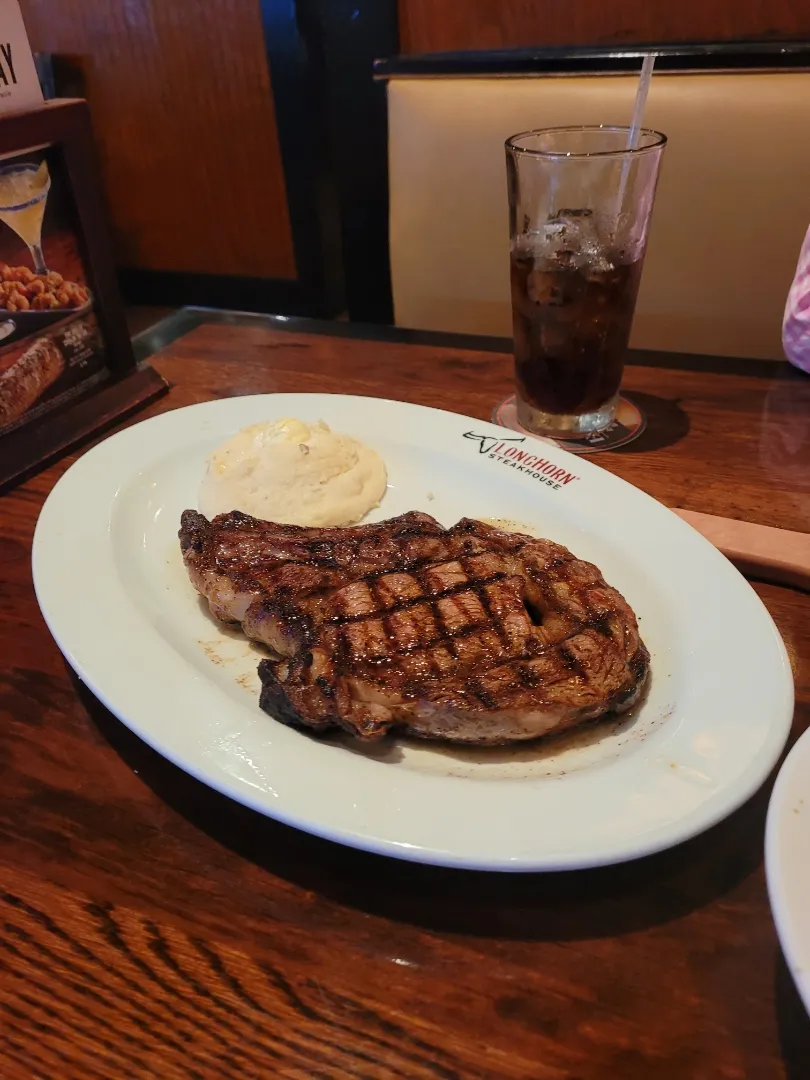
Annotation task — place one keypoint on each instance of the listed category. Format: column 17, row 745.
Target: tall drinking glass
column 579, row 209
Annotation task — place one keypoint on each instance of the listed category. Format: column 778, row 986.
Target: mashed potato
column 293, row 473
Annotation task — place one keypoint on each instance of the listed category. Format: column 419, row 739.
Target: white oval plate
column 113, row 590
column 787, row 861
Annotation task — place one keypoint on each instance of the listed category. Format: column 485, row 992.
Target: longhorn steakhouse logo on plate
column 509, row 451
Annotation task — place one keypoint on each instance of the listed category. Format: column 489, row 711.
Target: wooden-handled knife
column 758, row 551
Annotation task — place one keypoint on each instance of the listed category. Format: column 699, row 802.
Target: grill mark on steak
column 403, row 605
column 483, row 597
column 572, row 662
column 526, row 676
column 482, row 694
column 469, row 634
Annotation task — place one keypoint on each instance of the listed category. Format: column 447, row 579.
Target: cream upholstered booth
column 732, row 208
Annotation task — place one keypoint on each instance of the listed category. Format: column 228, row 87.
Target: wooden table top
column 153, row 928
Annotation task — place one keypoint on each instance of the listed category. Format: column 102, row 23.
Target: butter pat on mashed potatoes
column 293, row 473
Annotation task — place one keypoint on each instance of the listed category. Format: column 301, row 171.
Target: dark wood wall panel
column 183, row 114
column 441, row 25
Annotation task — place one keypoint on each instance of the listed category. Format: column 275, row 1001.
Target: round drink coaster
column 629, row 423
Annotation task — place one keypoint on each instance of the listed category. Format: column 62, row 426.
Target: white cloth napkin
column 796, row 324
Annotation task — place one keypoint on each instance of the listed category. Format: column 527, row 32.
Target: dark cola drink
column 572, row 311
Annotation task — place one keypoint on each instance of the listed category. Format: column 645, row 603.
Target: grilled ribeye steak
column 469, row 634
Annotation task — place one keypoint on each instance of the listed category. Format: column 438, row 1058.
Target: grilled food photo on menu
column 468, row 634
column 27, row 379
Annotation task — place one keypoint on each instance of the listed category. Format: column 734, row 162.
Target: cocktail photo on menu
column 50, row 343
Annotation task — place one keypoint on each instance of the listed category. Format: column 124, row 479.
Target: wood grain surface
column 185, row 123
column 152, row 928
column 445, row 25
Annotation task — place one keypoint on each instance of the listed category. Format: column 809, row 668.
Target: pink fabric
column 796, row 325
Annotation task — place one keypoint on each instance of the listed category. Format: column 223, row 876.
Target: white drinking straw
column 641, row 100
column 634, row 134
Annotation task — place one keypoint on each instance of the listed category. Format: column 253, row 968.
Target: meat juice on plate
column 573, row 298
